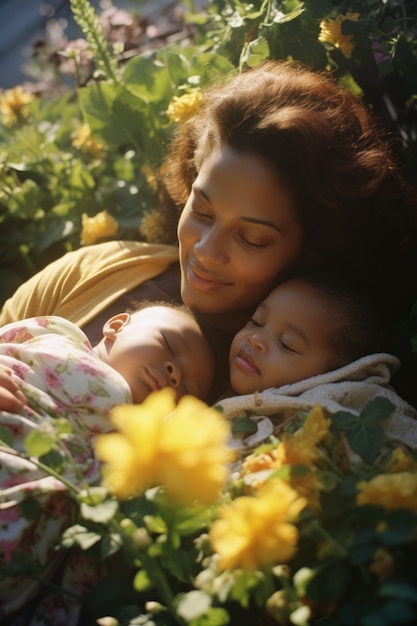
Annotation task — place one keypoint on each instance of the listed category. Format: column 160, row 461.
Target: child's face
column 287, row 340
column 160, row 347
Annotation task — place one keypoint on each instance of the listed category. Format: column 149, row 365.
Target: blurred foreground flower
column 256, row 530
column 392, row 491
column 13, row 105
column 181, row 447
column 295, row 449
column 82, row 139
column 331, row 32
column 182, row 107
column 97, row 227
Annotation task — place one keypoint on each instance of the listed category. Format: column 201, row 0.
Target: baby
column 305, row 327
column 153, row 347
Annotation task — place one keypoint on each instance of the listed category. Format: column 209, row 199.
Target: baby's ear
column 115, row 324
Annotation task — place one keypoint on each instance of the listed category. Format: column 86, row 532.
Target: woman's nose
column 256, row 341
column 173, row 371
column 211, row 247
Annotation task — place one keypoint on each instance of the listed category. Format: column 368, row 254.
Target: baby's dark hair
column 177, row 306
column 362, row 329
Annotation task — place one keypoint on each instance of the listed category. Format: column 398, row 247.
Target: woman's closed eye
column 252, row 244
column 201, row 215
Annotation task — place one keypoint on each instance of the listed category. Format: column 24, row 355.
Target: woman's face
column 238, row 234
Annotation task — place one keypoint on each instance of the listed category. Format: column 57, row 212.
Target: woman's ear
column 114, row 325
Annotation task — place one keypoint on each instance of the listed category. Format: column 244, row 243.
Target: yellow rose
column 183, row 447
column 182, row 107
column 98, row 227
column 82, row 139
column 392, row 491
column 13, row 104
column 255, row 531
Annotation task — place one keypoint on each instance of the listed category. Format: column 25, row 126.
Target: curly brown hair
column 359, row 217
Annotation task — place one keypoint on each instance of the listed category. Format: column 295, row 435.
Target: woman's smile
column 204, row 280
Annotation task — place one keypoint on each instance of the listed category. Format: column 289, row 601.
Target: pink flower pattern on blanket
column 58, row 371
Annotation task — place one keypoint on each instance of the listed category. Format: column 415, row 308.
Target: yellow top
column 82, row 283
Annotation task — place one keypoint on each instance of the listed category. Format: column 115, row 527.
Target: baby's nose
column 174, row 373
column 255, row 340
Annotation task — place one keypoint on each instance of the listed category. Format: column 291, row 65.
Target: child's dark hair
column 362, row 329
column 177, row 306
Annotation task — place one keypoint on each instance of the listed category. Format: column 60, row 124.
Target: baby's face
column 288, row 339
column 162, row 347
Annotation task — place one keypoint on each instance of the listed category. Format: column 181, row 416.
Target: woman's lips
column 203, row 281
column 244, row 361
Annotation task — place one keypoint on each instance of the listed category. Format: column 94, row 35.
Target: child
column 153, row 347
column 306, row 326
column 312, row 342
column 61, row 375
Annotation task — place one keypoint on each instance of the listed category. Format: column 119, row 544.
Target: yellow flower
column 182, row 107
column 82, row 139
column 158, row 226
column 316, row 425
column 256, row 531
column 331, row 32
column 97, row 227
column 400, row 461
column 183, row 447
column 13, row 104
column 392, row 491
column 299, row 448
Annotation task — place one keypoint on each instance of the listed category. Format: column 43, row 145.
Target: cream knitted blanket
column 349, row 388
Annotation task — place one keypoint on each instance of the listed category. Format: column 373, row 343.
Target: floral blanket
column 70, row 394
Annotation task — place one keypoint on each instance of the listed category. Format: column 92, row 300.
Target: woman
column 280, row 170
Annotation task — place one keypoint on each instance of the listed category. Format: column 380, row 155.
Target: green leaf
column 256, row 52
column 215, row 616
column 328, row 582
column 53, row 459
column 363, row 432
column 38, row 443
column 110, row 544
column 6, row 436
column 399, row 590
column 377, row 410
column 141, row 581
column 243, row 425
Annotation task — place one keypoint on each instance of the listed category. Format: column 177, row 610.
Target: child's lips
column 245, row 362
column 155, row 379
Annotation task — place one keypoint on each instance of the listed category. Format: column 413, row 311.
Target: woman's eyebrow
column 255, row 220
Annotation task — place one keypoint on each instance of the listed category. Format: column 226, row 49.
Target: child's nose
column 173, row 370
column 257, row 342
